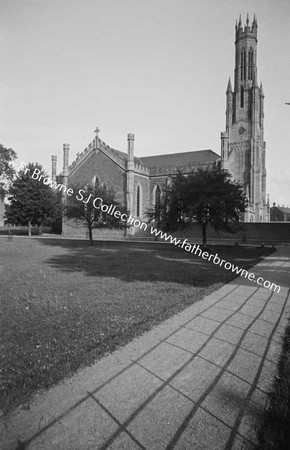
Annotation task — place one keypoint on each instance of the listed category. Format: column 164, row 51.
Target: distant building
column 279, row 213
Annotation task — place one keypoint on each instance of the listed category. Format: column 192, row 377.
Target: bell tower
column 242, row 144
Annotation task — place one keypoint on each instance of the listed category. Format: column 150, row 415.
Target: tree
column 31, row 202
column 7, row 171
column 207, row 196
column 90, row 207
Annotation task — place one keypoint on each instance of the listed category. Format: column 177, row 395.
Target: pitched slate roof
column 283, row 209
column 180, row 159
column 124, row 156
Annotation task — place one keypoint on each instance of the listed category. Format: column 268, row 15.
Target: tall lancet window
column 96, row 181
column 104, row 186
column 138, row 201
column 243, row 64
column 242, row 97
column 157, row 198
column 251, row 64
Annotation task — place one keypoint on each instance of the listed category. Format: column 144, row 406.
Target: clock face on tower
column 242, row 130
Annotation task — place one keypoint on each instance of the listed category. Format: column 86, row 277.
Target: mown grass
column 65, row 303
column 275, row 429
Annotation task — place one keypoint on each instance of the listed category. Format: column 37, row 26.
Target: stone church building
column 242, row 144
column 139, row 181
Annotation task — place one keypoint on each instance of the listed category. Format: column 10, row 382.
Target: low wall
column 22, row 231
column 82, row 232
column 267, row 233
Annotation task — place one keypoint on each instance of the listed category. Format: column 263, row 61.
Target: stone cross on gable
column 78, row 155
column 97, row 130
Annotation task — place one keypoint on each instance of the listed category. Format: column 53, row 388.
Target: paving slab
column 203, row 431
column 188, row 381
column 200, row 380
column 156, row 424
column 203, row 325
column 226, row 398
column 247, row 372
column 229, row 334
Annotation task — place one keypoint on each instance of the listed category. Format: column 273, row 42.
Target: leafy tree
column 84, row 207
column 207, row 196
column 7, row 171
column 31, row 202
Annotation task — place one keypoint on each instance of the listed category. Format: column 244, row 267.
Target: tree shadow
column 150, row 261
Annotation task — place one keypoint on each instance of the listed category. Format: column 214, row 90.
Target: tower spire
column 229, row 88
column 242, row 143
column 254, row 24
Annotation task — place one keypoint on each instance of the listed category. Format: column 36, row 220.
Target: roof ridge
column 180, row 153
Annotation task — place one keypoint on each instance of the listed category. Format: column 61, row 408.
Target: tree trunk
column 204, row 234
column 29, row 228
column 91, row 234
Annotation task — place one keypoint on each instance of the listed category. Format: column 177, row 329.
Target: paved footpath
column 198, row 381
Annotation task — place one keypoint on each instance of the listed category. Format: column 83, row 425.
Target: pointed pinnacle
column 229, row 88
column 247, row 21
column 256, row 22
column 236, row 27
column 240, row 21
column 261, row 90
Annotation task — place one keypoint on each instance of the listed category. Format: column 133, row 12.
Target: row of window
column 138, row 196
column 97, row 183
column 156, row 200
column 243, row 67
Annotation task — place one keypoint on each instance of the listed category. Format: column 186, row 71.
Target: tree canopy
column 207, row 196
column 7, row 171
column 84, row 207
column 30, row 200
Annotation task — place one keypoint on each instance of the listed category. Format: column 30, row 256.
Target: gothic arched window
column 251, row 64
column 242, row 97
column 243, row 64
column 157, row 199
column 104, row 186
column 138, row 201
column 96, row 181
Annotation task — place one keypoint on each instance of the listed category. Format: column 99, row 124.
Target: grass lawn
column 65, row 303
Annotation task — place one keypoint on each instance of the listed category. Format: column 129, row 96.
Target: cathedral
column 138, row 181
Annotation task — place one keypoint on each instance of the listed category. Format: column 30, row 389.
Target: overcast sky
column 156, row 68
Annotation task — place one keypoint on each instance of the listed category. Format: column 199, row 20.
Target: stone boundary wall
column 82, row 232
column 22, row 231
column 258, row 232
column 267, row 233
column 252, row 233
